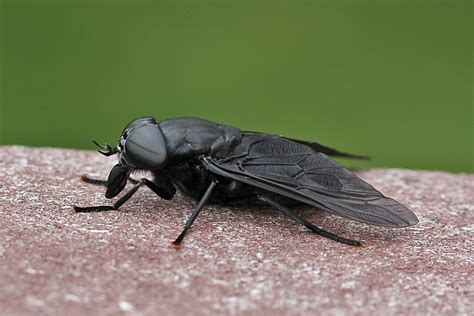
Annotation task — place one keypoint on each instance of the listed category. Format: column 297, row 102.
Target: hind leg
column 309, row 225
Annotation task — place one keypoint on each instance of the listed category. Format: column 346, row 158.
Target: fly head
column 142, row 145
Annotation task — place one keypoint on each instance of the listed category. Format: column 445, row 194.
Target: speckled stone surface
column 233, row 261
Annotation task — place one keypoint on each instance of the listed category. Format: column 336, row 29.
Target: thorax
column 187, row 138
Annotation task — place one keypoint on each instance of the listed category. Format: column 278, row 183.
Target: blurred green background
column 389, row 79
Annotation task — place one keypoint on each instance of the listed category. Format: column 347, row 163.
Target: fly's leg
column 309, row 225
column 160, row 184
column 126, row 197
column 87, row 179
column 195, row 213
column 90, row 180
column 115, row 206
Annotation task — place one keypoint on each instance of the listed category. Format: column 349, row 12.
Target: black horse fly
column 220, row 164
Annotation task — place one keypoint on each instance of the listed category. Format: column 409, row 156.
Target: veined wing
column 321, row 148
column 295, row 170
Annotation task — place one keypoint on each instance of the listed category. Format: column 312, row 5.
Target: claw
column 175, row 245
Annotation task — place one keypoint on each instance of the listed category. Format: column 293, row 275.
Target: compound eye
column 145, row 147
column 142, row 121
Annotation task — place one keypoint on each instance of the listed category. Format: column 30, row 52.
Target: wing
column 328, row 150
column 295, row 170
column 321, row 148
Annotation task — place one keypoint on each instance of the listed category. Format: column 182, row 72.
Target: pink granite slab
column 234, row 261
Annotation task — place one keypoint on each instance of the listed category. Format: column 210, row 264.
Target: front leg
column 160, row 184
column 116, row 205
column 101, row 182
column 164, row 191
